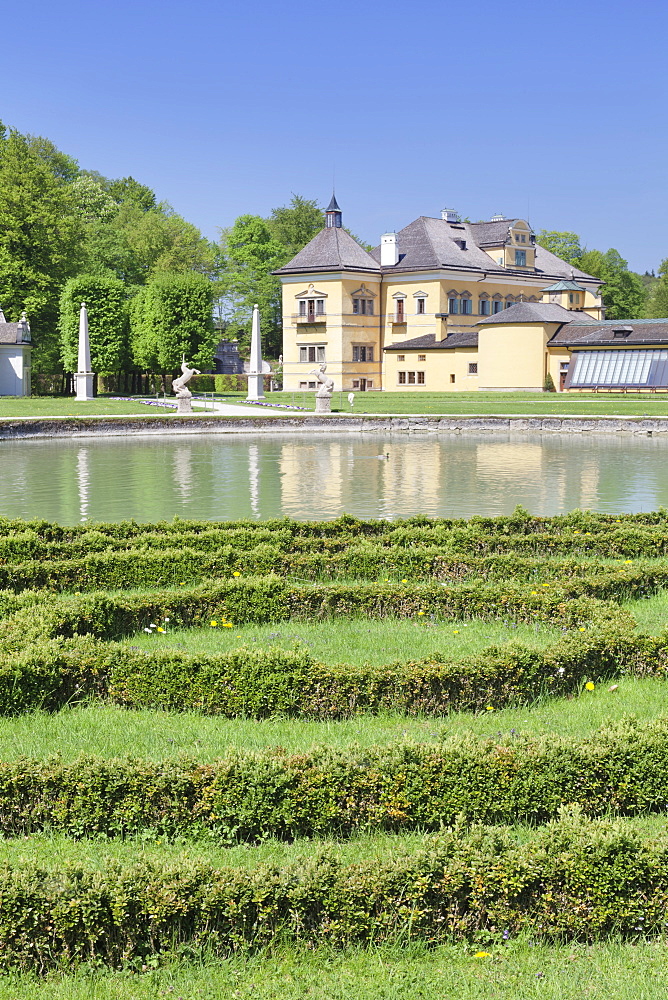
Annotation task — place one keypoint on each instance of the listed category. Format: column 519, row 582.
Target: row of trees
column 626, row 294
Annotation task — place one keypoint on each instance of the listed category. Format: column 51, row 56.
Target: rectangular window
column 362, row 353
column 356, row 306
column 320, row 307
column 303, row 385
column 302, row 308
column 453, row 306
column 497, row 306
column 452, row 378
column 356, row 383
column 399, row 310
column 520, row 258
column 420, row 378
column 422, row 357
column 467, row 307
column 473, row 368
column 420, row 307
column 369, row 383
column 401, row 357
column 401, row 378
column 312, row 354
column 483, row 307
column 411, row 378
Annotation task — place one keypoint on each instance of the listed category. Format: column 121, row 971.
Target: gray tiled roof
column 330, row 250
column 600, row 333
column 9, row 333
column 492, row 233
column 459, row 338
column 532, row 312
column 429, row 244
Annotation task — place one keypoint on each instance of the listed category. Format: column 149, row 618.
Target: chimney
column 441, row 327
column 389, row 250
column 450, row 215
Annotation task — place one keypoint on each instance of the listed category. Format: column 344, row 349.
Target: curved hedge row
column 153, row 568
column 573, row 880
column 248, row 797
column 579, row 533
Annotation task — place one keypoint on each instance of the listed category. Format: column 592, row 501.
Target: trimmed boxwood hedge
column 247, row 797
column 571, row 880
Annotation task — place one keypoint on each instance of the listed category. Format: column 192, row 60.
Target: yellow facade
column 352, row 320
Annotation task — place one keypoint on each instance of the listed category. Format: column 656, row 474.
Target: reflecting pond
column 218, row 477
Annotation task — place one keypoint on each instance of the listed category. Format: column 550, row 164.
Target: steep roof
column 600, row 333
column 431, row 244
column 331, row 249
column 458, row 338
column 532, row 312
column 9, row 333
column 333, row 205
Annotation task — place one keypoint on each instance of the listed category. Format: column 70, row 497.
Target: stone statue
column 323, row 397
column 181, row 391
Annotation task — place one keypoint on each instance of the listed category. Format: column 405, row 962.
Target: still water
column 321, row 477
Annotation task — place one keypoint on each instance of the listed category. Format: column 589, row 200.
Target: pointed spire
column 333, row 214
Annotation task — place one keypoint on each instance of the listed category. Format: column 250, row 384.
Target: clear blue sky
column 555, row 111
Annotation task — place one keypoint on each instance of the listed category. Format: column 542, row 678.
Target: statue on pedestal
column 179, row 385
column 323, row 397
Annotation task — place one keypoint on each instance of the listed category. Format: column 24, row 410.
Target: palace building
column 446, row 305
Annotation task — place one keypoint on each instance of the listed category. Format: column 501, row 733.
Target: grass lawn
column 430, row 403
column 463, row 403
column 354, row 640
column 52, row 406
column 107, row 731
column 519, row 970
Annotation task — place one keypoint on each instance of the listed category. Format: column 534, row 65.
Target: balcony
column 309, row 319
column 397, row 319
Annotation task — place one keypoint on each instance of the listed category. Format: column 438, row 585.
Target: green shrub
column 247, row 797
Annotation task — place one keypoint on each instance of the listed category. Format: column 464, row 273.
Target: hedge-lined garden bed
column 573, row 880
column 325, row 792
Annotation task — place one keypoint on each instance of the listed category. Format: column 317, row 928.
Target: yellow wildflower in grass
column 534, row 593
column 214, row 624
column 160, row 629
column 420, row 612
column 590, row 685
column 236, row 573
column 628, row 560
column 404, row 581
column 490, row 708
column 582, row 629
column 228, row 625
column 483, row 954
column 545, row 585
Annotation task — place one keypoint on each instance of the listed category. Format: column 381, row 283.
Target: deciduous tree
column 106, row 303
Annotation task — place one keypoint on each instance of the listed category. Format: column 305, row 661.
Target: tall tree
column 106, row 303
column 624, row 294
column 564, row 245
column 657, row 307
column 170, row 317
column 40, row 243
column 296, row 224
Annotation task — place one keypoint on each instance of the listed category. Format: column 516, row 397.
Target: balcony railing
column 309, row 318
column 398, row 318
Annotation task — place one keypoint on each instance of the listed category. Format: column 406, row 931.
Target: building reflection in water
column 182, row 464
column 83, row 482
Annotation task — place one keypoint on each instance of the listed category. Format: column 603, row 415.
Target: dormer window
column 520, row 258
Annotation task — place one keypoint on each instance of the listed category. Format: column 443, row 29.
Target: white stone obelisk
column 255, row 377
column 83, row 378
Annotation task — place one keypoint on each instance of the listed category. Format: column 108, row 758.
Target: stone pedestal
column 184, row 405
column 255, row 386
column 323, row 404
column 83, row 382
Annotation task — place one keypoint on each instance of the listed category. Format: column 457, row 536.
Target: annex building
column 446, row 305
column 14, row 357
